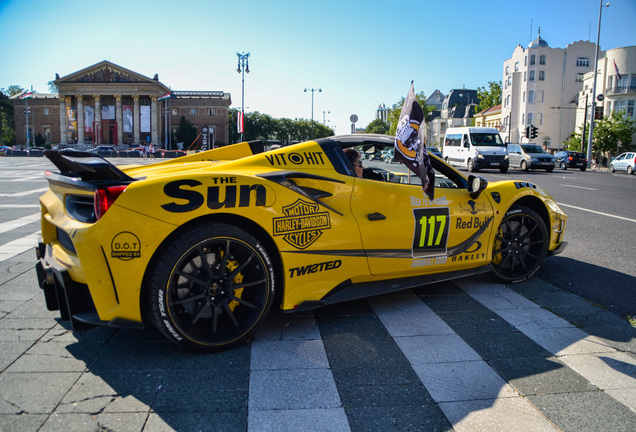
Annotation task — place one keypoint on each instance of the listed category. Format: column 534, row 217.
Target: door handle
column 376, row 216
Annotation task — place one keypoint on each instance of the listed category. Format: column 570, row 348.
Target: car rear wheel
column 583, row 168
column 630, row 170
column 524, row 166
column 211, row 287
column 521, row 244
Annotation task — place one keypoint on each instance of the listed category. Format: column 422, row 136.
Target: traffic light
column 526, row 133
column 533, row 131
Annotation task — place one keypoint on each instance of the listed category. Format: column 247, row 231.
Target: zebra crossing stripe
column 469, row 392
column 590, row 356
column 16, row 247
column 17, row 223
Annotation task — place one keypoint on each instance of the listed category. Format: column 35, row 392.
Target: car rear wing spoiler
column 87, row 167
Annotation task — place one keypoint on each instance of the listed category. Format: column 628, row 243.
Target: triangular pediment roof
column 106, row 72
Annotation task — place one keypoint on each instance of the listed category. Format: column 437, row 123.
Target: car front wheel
column 524, row 166
column 210, row 287
column 563, row 166
column 521, row 244
column 471, row 166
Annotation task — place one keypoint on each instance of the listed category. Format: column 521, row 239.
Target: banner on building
column 128, row 119
column 71, row 119
column 108, row 112
column 89, row 118
column 144, row 118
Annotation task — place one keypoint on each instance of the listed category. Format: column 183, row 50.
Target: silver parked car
column 530, row 156
column 624, row 162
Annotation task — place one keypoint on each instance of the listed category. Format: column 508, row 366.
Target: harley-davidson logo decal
column 302, row 224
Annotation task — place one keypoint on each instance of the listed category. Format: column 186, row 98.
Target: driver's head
column 354, row 158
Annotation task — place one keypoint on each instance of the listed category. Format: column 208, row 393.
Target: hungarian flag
column 618, row 74
column 164, row 97
column 27, row 95
column 410, row 144
column 239, row 122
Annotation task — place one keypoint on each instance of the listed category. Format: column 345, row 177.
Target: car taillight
column 104, row 198
column 570, row 157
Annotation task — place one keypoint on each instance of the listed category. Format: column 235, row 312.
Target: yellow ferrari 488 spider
column 202, row 246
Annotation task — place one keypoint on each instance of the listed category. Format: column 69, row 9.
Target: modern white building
column 615, row 81
column 540, row 88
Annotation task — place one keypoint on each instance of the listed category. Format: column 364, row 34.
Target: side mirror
column 476, row 184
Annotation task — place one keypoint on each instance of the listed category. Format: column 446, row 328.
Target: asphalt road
column 551, row 354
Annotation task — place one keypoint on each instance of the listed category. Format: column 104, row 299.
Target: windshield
column 486, row 139
column 533, row 149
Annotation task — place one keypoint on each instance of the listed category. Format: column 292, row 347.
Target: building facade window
column 523, row 97
column 516, row 66
column 630, row 109
column 540, row 117
column 193, row 111
column 525, row 61
column 530, row 118
column 523, row 119
column 619, row 106
column 531, row 76
column 507, row 70
column 539, row 95
column 578, row 77
column 541, row 75
column 524, row 75
column 530, row 96
column 532, row 60
column 583, row 61
column 542, row 59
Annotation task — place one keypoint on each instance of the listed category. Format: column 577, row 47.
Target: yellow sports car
column 202, row 246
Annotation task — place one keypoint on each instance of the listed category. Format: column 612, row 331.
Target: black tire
column 524, row 166
column 583, row 168
column 211, row 287
column 563, row 166
column 521, row 244
column 612, row 169
column 471, row 166
column 630, row 170
column 549, row 169
column 503, row 170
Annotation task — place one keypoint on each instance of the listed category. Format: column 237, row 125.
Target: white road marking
column 16, row 223
column 578, row 187
column 16, row 247
column 23, row 193
column 597, row 212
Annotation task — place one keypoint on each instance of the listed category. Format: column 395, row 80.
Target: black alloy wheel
column 521, row 244
column 211, row 288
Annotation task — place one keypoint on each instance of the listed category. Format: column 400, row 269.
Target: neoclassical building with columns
column 108, row 104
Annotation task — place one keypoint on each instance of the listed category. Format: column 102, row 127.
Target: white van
column 475, row 148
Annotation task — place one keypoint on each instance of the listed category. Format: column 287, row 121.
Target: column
column 136, row 120
column 119, row 118
column 80, row 119
column 97, row 127
column 69, row 104
column 63, row 129
column 153, row 120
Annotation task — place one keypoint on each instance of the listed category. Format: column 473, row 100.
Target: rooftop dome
column 538, row 42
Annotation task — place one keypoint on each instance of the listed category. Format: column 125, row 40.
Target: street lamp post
column 598, row 37
column 312, row 90
column 243, row 66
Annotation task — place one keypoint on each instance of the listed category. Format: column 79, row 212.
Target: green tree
column 489, row 97
column 53, row 87
column 396, row 109
column 377, row 126
column 7, row 119
column 609, row 130
column 187, row 134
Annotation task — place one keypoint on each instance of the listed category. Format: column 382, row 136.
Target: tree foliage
column 186, row 133
column 7, row 124
column 377, row 126
column 607, row 132
column 258, row 126
column 488, row 97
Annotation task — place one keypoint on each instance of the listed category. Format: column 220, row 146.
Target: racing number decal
column 431, row 231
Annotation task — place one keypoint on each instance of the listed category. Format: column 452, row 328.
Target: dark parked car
column 105, row 150
column 571, row 159
column 435, row 151
column 35, row 151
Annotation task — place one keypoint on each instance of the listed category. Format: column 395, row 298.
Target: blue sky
column 360, row 53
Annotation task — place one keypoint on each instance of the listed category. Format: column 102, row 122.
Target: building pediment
column 104, row 72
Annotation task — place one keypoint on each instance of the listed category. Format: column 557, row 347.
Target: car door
column 619, row 163
column 514, row 155
column 404, row 233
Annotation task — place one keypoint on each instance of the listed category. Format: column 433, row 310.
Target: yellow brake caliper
column 231, row 266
